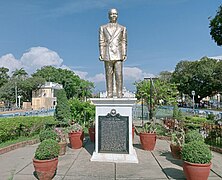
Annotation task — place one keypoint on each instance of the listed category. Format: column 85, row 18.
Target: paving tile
column 83, row 166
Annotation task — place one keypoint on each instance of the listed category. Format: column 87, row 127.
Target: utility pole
column 16, row 95
column 142, row 110
column 151, row 94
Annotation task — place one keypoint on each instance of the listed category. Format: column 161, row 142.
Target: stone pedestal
column 113, row 141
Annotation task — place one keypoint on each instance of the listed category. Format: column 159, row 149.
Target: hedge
column 12, row 128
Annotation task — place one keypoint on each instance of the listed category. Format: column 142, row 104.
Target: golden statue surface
column 113, row 48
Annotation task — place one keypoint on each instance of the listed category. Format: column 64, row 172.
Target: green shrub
column 193, row 136
column 48, row 149
column 210, row 117
column 198, row 120
column 82, row 112
column 192, row 126
column 12, row 128
column 62, row 111
column 48, row 134
column 161, row 130
column 196, row 152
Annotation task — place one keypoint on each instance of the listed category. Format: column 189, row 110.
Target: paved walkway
column 76, row 165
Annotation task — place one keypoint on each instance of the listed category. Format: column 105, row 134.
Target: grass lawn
column 20, row 139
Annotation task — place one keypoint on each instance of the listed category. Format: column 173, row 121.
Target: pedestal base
column 113, row 126
column 116, row 158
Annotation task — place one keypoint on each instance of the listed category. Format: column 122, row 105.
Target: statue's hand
column 100, row 58
column 124, row 58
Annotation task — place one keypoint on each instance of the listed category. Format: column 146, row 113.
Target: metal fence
column 212, row 133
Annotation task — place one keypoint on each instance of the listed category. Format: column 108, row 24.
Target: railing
column 42, row 112
column 212, row 134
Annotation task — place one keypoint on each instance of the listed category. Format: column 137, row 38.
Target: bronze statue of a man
column 112, row 46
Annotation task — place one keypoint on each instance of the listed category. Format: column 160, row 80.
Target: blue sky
column 65, row 34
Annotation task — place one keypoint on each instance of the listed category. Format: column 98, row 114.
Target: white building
column 45, row 96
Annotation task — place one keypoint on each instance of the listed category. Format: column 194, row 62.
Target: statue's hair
column 113, row 9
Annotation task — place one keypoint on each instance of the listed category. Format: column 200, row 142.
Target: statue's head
column 113, row 15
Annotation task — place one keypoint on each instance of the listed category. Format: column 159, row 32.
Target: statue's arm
column 101, row 44
column 124, row 44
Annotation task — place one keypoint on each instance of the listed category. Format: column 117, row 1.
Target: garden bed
column 18, row 145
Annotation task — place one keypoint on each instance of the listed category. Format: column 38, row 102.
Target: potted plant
column 76, row 135
column 197, row 160
column 61, row 140
column 148, row 136
column 92, row 131
column 45, row 160
column 47, row 134
column 177, row 140
column 193, row 136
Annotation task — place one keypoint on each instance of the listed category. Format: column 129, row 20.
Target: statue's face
column 113, row 15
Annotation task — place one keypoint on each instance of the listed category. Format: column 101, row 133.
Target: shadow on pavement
column 170, row 158
column 89, row 146
column 138, row 146
column 173, row 173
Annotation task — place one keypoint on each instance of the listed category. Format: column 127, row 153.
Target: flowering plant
column 61, row 135
column 149, row 127
column 178, row 137
column 74, row 128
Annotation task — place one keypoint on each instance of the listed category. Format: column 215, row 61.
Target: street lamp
column 218, row 100
column 193, row 94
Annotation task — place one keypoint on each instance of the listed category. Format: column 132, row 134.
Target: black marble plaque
column 113, row 133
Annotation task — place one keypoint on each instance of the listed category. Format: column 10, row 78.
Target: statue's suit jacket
column 112, row 42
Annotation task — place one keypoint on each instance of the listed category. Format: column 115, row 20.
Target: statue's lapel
column 113, row 32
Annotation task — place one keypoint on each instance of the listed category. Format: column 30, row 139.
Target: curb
column 18, row 145
column 216, row 149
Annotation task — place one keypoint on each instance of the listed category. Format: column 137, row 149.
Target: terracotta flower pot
column 62, row 146
column 133, row 132
column 92, row 134
column 148, row 141
column 175, row 151
column 194, row 171
column 76, row 139
column 45, row 169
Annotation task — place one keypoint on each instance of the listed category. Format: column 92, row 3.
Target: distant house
column 44, row 98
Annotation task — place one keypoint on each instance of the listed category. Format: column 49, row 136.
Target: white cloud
column 36, row 57
column 10, row 62
column 33, row 59
column 217, row 57
column 97, row 78
column 81, row 74
column 134, row 74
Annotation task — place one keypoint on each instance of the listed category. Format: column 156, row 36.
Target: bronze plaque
column 113, row 133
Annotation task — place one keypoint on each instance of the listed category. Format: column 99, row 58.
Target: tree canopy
column 163, row 92
column 216, row 27
column 20, row 82
column 73, row 85
column 4, row 77
column 203, row 76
